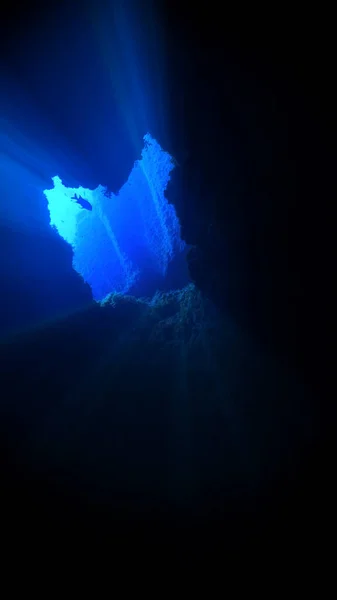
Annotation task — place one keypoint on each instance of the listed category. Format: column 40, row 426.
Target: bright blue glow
column 117, row 239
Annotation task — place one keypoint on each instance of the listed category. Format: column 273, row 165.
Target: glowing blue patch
column 116, row 239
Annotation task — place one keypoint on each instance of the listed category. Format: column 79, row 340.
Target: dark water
column 131, row 418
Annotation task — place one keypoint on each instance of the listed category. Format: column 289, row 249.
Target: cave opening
column 129, row 242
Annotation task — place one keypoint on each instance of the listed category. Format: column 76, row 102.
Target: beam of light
column 116, row 239
column 26, row 167
column 131, row 42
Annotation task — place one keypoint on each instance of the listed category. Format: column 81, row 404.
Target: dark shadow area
column 108, row 432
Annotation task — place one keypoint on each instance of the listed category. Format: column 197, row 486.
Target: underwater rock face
column 115, row 238
column 151, row 403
